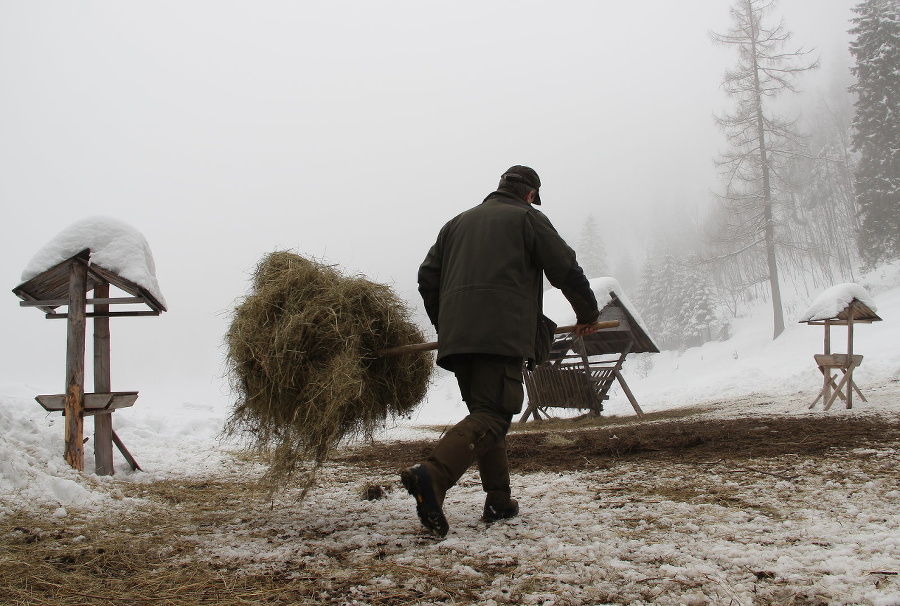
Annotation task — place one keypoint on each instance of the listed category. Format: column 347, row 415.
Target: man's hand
column 583, row 330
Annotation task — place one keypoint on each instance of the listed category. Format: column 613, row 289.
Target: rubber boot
column 454, row 453
column 493, row 466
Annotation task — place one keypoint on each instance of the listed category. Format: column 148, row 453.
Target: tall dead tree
column 758, row 140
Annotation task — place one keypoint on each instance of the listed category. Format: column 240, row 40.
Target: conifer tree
column 591, row 250
column 877, row 127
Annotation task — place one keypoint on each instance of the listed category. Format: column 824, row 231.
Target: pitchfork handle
column 419, row 347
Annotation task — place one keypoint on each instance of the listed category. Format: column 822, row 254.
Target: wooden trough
column 582, row 370
column 66, row 285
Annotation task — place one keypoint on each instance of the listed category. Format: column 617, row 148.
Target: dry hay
column 302, row 359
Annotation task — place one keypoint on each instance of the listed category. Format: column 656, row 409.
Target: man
column 482, row 285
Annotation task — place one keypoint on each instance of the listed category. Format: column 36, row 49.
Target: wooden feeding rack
column 856, row 312
column 66, row 285
column 582, row 370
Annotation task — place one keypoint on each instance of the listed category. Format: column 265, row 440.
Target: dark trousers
column 492, row 389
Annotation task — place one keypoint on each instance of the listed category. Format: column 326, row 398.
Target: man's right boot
column 493, row 466
column 454, row 453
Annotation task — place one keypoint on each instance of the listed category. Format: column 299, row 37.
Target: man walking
column 482, row 285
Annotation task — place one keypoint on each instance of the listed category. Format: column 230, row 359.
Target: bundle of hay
column 301, row 352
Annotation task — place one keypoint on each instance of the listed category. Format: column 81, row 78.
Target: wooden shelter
column 66, row 285
column 856, row 312
column 582, row 370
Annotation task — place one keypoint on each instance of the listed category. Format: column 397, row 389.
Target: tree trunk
column 768, row 217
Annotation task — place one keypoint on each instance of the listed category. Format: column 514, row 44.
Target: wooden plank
column 839, row 322
column 103, row 446
column 121, row 446
column 629, row 395
column 74, row 402
column 848, row 375
column 595, row 403
column 27, row 297
column 103, row 452
column 128, row 286
column 111, row 314
column 94, row 301
column 850, row 312
column 92, row 401
column 826, row 387
column 837, row 360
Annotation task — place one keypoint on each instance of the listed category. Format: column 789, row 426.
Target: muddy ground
column 569, row 448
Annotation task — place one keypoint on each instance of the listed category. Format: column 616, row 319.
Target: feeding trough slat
column 92, row 401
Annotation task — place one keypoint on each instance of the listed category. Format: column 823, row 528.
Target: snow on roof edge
column 115, row 246
column 835, row 299
column 558, row 308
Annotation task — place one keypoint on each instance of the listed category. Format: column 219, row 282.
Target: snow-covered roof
column 607, row 290
column 114, row 245
column 831, row 303
column 558, row 308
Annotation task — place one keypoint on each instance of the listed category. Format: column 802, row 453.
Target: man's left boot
column 454, row 453
column 493, row 466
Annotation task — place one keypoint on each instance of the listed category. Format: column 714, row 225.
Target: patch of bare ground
column 570, row 448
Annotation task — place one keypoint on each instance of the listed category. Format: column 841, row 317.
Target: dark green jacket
column 482, row 280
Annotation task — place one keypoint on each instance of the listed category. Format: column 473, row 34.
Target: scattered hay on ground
column 302, row 358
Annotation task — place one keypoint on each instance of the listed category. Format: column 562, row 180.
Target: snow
column 577, row 540
column 834, row 300
column 114, row 245
column 558, row 308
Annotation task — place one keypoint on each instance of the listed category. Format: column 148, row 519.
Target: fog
column 346, row 131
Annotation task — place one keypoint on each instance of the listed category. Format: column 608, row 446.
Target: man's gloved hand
column 582, row 330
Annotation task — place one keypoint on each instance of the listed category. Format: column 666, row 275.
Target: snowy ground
column 799, row 530
column 779, row 530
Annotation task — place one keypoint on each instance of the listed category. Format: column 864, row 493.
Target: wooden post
column 826, row 387
column 595, row 406
column 74, row 399
column 103, row 440
column 629, row 395
column 850, row 356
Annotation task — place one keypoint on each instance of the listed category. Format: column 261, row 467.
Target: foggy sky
column 349, row 131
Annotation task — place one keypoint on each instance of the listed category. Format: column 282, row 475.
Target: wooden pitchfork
column 418, row 347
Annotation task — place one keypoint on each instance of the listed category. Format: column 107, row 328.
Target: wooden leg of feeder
column 103, row 446
column 858, row 392
column 74, row 398
column 629, row 395
column 849, row 399
column 531, row 411
column 829, row 380
column 848, row 375
column 121, row 446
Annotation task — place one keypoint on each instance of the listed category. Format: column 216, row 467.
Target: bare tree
column 758, row 140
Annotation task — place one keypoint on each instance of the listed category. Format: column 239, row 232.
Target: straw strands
column 301, row 357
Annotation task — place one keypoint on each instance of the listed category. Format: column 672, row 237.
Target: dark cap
column 523, row 174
